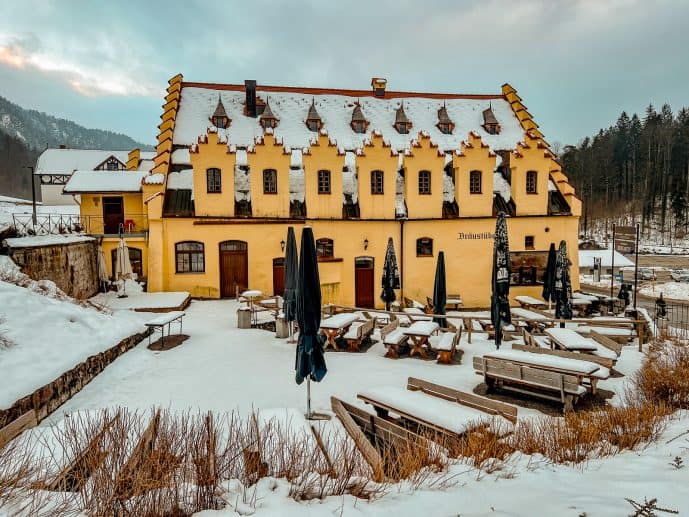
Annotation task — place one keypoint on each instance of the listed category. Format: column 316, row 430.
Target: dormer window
column 219, row 117
column 402, row 123
column 313, row 119
column 359, row 123
column 268, row 119
column 445, row 124
column 490, row 123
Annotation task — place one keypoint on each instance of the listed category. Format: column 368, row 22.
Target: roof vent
column 378, row 84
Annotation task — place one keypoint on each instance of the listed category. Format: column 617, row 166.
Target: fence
column 675, row 321
column 74, row 223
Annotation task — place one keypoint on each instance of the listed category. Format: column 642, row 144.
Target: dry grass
column 664, row 377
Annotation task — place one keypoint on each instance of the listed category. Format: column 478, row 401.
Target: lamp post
column 33, row 197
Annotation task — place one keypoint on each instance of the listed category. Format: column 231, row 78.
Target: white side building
column 586, row 261
column 54, row 167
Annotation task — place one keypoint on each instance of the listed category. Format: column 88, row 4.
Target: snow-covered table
column 454, row 301
column 161, row 321
column 530, row 301
column 336, row 325
column 416, row 314
column 568, row 339
column 418, row 333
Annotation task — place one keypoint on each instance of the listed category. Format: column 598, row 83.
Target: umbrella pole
column 308, row 397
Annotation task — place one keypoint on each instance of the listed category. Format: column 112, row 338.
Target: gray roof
column 313, row 112
column 401, row 116
column 357, row 114
column 443, row 117
column 268, row 113
column 489, row 116
column 220, row 109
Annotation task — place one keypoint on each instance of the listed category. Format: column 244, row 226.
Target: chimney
column 250, row 86
column 378, row 84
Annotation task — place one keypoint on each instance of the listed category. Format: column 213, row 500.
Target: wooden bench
column 357, row 333
column 606, row 363
column 436, row 408
column 453, row 300
column 393, row 338
column 538, row 382
column 161, row 321
column 571, row 341
column 446, row 345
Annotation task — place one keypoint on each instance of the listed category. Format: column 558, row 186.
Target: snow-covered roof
column 66, row 161
column 154, row 179
column 182, row 180
column 180, row 157
column 586, row 258
column 104, row 181
column 46, row 240
column 145, row 165
column 198, row 102
column 502, row 186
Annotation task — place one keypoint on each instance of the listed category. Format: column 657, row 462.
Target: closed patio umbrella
column 291, row 271
column 123, row 269
column 310, row 362
column 391, row 276
column 563, row 286
column 549, row 275
column 440, row 290
column 102, row 267
column 499, row 300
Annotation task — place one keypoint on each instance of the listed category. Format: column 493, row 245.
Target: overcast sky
column 576, row 64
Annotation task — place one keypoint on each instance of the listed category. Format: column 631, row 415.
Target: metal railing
column 46, row 224
column 674, row 322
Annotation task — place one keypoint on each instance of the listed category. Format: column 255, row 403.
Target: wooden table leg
column 444, row 356
column 353, row 345
column 392, row 352
column 417, row 346
column 331, row 334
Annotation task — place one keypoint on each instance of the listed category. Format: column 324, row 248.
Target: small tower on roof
column 445, row 124
column 219, row 117
column 268, row 119
column 490, row 123
column 402, row 123
column 359, row 123
column 313, row 119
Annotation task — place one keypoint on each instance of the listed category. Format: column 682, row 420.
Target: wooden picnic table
column 568, row 339
column 529, row 301
column 453, row 302
column 251, row 295
column 335, row 325
column 418, row 333
column 579, row 368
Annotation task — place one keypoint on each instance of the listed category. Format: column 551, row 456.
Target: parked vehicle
column 646, row 273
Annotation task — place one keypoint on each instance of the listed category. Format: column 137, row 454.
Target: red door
column 278, row 276
column 363, row 282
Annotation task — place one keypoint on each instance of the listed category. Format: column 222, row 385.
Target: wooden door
column 363, row 282
column 234, row 268
column 278, row 276
column 113, row 214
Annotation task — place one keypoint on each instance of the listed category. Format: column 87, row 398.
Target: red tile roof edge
column 337, row 91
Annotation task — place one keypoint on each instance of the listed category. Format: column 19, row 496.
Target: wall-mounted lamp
column 365, row 244
column 282, row 245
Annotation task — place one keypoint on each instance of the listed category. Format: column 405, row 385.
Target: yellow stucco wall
column 530, row 157
column 424, row 156
column 474, row 156
column 212, row 154
column 92, row 209
column 377, row 156
column 269, row 154
column 323, row 156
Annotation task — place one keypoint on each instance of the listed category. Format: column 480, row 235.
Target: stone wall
column 48, row 398
column 72, row 266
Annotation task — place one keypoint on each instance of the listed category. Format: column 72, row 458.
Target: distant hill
column 24, row 134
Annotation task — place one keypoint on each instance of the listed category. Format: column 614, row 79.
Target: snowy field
column 670, row 290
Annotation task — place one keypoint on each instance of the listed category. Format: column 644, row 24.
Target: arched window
column 531, row 182
column 189, row 257
column 377, row 182
column 233, row 246
column 270, row 181
column 213, row 185
column 325, row 248
column 475, row 181
column 424, row 247
column 424, row 182
column 324, row 182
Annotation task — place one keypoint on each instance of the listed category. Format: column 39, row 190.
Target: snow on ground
column 50, row 336
column 138, row 299
column 46, row 240
column 603, row 283
column 670, row 290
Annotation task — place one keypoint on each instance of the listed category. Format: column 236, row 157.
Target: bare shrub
column 664, row 377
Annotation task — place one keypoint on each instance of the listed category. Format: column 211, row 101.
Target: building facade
column 236, row 165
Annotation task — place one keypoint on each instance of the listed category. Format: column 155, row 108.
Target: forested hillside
column 638, row 167
column 25, row 133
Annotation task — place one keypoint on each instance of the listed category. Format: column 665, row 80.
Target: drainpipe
column 402, row 259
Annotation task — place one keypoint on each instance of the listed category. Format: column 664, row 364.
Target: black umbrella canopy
column 563, row 285
column 391, row 276
column 440, row 290
column 499, row 301
column 310, row 362
column 549, row 275
column 291, row 272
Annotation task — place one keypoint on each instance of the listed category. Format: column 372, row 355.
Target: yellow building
column 236, row 165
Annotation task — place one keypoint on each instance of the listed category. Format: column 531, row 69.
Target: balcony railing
column 46, row 224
